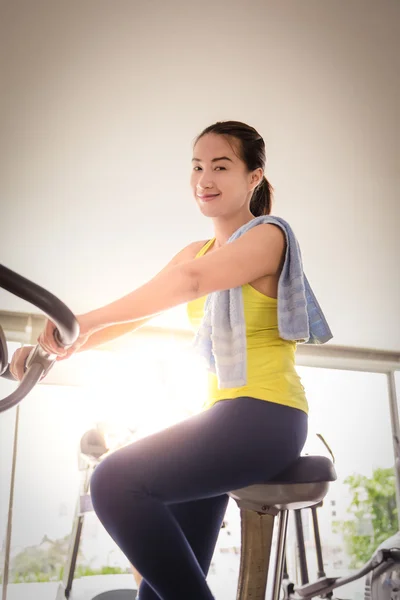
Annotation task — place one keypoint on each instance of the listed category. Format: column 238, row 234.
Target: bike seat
column 303, row 484
column 307, row 469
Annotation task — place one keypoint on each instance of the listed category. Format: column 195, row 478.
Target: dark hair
column 251, row 150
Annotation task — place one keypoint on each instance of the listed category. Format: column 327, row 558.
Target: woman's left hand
column 49, row 344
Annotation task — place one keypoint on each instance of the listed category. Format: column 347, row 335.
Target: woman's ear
column 256, row 178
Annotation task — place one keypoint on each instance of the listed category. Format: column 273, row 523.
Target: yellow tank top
column 271, row 373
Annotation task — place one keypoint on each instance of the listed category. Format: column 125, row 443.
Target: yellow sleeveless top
column 271, row 373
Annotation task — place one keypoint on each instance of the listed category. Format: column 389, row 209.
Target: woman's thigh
column 231, row 445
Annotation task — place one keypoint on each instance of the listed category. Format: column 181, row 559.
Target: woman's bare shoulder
column 190, row 251
column 195, row 247
column 187, row 253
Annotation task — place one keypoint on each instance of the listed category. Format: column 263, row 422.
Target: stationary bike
column 93, row 448
column 382, row 570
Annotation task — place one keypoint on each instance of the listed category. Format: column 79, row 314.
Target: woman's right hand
column 49, row 343
column 17, row 365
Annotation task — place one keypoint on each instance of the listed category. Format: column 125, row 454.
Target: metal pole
column 285, row 574
column 280, row 555
column 301, row 549
column 394, row 420
column 257, row 532
column 10, row 509
column 317, row 538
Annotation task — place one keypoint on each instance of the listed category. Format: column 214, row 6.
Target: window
column 351, row 410
column 153, row 384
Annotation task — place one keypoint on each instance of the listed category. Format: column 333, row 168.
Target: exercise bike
column 303, row 485
column 37, row 366
column 93, row 448
column 382, row 570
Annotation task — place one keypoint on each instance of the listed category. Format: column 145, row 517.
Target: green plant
column 373, row 514
column 46, row 562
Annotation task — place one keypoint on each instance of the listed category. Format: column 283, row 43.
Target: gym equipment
column 382, row 570
column 38, row 362
column 93, row 447
column 38, row 365
column 303, row 485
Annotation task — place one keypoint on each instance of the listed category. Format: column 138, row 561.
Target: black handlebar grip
column 57, row 311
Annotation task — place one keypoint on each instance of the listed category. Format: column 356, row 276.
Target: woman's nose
column 204, row 180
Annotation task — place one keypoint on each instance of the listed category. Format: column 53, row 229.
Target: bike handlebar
column 39, row 362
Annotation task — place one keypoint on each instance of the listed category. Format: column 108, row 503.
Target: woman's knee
column 107, row 484
column 100, row 482
column 120, row 473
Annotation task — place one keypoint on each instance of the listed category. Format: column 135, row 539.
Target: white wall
column 101, row 101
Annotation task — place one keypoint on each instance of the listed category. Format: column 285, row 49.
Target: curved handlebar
column 3, row 353
column 56, row 310
column 39, row 362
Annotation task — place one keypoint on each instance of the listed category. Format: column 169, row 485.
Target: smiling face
column 221, row 183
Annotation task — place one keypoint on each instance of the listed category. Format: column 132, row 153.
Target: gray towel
column 221, row 337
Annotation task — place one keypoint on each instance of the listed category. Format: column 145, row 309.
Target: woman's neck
column 224, row 228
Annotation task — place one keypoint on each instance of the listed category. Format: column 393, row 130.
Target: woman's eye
column 199, row 168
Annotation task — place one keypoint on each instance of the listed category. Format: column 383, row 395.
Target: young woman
column 163, row 498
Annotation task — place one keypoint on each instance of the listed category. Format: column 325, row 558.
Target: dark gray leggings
column 163, row 498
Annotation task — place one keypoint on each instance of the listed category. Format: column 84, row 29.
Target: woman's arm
column 167, row 289
column 91, row 337
column 256, row 253
column 103, row 336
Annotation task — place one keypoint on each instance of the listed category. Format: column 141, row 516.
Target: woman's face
column 221, row 183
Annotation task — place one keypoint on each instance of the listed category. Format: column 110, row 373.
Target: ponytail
column 261, row 200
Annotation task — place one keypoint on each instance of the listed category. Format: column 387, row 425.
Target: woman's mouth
column 207, row 197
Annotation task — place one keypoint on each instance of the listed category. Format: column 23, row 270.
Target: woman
column 163, row 498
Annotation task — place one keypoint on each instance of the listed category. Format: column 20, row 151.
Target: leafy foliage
column 46, row 563
column 373, row 514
